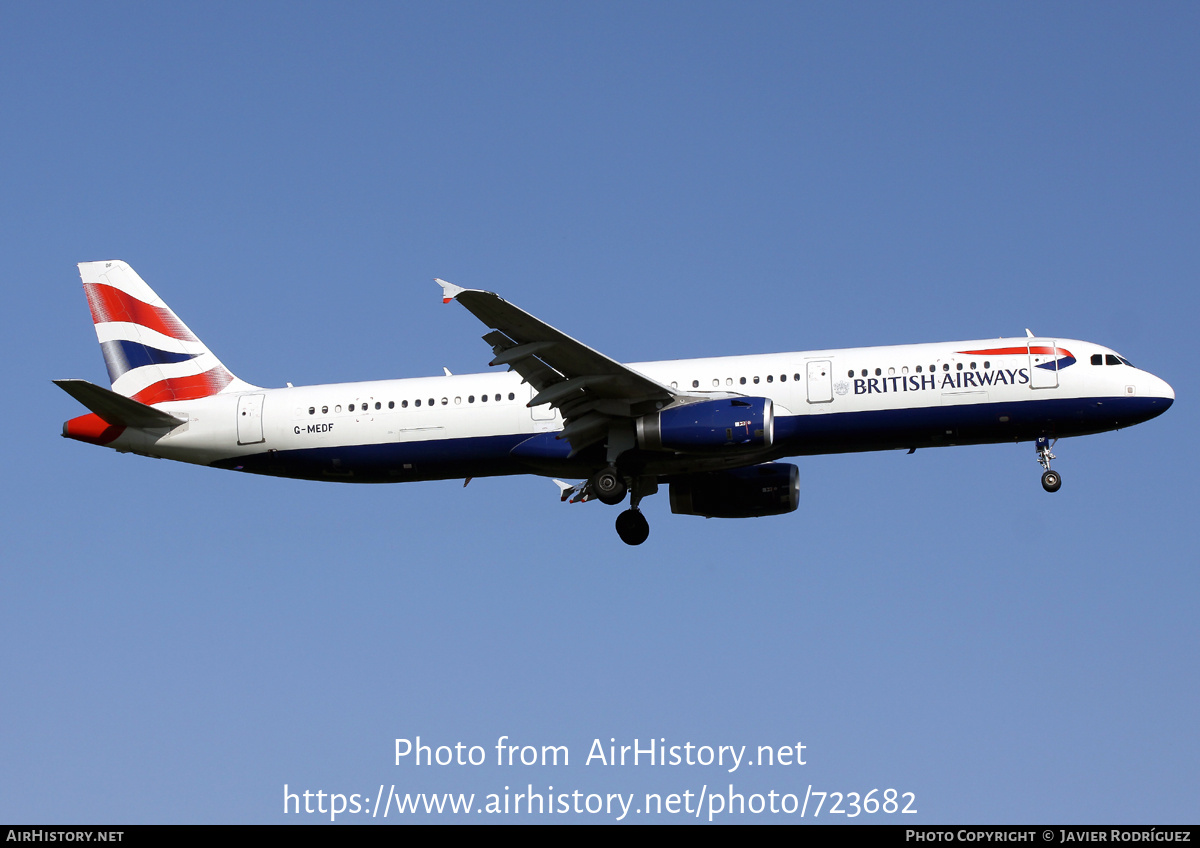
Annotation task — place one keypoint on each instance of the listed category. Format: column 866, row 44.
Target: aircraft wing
column 587, row 387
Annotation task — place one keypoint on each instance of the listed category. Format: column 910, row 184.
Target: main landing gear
column 1051, row 480
column 632, row 526
column 610, row 487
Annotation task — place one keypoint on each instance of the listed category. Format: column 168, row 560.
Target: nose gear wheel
column 1051, row 480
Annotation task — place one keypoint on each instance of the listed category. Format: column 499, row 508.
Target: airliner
column 712, row 430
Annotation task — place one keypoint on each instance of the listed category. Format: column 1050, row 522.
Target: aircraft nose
column 1160, row 388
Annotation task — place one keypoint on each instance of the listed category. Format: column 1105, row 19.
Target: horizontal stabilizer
column 117, row 409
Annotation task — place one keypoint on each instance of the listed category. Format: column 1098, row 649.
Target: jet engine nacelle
column 772, row 488
column 727, row 424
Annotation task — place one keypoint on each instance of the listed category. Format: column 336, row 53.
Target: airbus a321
column 713, row 430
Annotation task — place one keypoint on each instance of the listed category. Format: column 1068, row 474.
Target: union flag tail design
column 151, row 355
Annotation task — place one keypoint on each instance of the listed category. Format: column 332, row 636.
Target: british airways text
column 957, row 380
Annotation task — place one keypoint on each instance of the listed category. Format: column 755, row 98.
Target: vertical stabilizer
column 151, row 355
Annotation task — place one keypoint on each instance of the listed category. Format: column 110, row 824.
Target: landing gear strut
column 1051, row 480
column 632, row 526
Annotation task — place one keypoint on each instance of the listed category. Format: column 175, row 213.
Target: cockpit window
column 1111, row 359
column 1097, row 358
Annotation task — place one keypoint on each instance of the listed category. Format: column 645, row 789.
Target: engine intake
column 727, row 424
column 767, row 489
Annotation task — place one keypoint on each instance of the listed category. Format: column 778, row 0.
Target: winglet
column 449, row 290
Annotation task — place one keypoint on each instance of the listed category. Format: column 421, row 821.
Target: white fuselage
column 825, row 401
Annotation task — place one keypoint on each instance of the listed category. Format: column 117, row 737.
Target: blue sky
column 660, row 181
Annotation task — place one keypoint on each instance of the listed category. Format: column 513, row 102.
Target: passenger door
column 1043, row 364
column 249, row 419
column 820, row 381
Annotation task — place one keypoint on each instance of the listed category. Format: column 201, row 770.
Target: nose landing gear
column 1051, row 480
